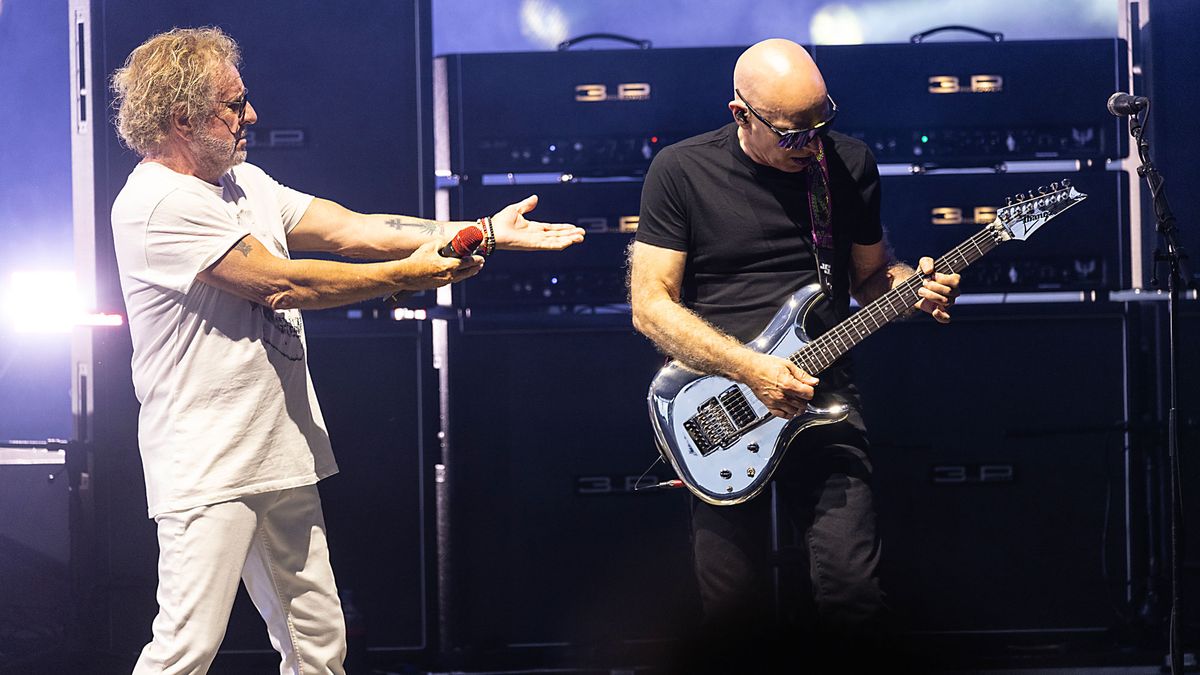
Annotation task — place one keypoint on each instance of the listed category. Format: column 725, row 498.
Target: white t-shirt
column 228, row 407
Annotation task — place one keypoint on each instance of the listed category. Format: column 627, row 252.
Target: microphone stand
column 1176, row 258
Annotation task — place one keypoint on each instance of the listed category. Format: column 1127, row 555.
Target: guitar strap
column 820, row 209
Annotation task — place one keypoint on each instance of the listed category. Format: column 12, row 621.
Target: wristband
column 489, row 236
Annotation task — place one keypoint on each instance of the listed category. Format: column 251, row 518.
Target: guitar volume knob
column 726, row 474
column 753, row 447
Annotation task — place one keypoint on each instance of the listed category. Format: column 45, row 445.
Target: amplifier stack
column 956, row 128
column 520, row 525
column 591, row 122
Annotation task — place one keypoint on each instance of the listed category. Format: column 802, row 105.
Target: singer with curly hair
column 230, row 430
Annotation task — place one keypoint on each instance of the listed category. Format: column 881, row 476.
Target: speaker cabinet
column 1167, row 67
column 376, row 385
column 1083, row 249
column 34, row 547
column 997, row 444
column 598, row 112
column 979, row 103
column 549, row 543
column 592, row 273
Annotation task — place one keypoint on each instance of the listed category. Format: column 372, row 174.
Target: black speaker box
column 34, row 548
column 376, row 385
column 997, row 444
column 591, row 273
column 550, row 545
column 1083, row 249
column 1189, row 443
column 1170, row 67
column 342, row 94
column 587, row 112
column 979, row 102
column 1153, row 405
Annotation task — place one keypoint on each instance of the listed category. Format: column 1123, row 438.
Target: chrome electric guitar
column 725, row 444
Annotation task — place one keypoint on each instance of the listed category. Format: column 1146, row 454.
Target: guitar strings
column 829, row 347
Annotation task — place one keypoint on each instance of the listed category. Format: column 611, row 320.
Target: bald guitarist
column 732, row 222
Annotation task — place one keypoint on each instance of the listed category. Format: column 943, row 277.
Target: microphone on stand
column 1124, row 105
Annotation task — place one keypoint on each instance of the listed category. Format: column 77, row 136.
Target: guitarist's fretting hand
column 937, row 292
column 780, row 384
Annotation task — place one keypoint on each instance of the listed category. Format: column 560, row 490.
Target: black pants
column 824, row 495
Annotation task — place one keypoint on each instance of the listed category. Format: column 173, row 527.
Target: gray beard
column 216, row 155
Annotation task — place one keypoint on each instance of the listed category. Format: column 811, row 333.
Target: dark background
column 1037, row 390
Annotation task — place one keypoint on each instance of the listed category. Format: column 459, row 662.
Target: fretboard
column 824, row 350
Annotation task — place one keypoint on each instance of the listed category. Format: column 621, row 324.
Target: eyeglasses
column 238, row 106
column 795, row 138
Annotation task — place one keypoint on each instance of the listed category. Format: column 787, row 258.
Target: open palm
column 515, row 233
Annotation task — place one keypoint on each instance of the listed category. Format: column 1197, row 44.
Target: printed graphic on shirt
column 281, row 331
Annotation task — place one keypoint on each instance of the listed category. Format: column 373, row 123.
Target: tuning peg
column 1054, row 187
column 1041, row 190
column 1066, row 183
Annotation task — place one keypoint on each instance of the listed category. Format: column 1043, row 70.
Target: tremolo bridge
column 720, row 421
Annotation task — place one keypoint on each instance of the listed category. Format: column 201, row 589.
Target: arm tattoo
column 244, row 248
column 425, row 226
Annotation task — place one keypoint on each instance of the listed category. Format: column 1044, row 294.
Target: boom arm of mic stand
column 1175, row 256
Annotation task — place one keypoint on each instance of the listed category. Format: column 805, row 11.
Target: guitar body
column 723, row 442
column 716, row 434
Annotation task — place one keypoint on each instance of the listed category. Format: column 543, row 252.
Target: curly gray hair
column 172, row 73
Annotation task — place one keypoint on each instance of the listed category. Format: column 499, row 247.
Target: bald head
column 779, row 78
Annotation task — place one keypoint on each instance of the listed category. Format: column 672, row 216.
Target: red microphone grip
column 463, row 244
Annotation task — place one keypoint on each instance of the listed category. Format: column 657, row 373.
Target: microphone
column 237, row 136
column 463, row 244
column 1123, row 105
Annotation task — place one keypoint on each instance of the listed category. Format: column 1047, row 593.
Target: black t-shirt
column 746, row 227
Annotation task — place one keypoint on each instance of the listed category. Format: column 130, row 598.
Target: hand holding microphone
column 431, row 266
column 463, row 244
column 454, row 261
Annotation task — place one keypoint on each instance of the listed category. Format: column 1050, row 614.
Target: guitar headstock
column 1026, row 212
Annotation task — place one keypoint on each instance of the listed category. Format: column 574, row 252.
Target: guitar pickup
column 738, row 408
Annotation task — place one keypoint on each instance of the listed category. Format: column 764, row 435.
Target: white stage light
column 836, row 24
column 896, row 20
column 544, row 23
column 48, row 301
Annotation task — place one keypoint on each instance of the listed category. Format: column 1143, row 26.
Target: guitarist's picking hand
column 937, row 291
column 780, row 384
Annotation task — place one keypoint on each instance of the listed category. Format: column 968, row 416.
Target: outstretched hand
column 515, row 233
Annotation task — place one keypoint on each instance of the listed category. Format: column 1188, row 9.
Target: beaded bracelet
column 489, row 236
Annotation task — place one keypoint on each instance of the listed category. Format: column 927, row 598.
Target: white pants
column 275, row 542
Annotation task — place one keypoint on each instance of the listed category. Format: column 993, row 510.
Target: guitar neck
column 824, row 350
